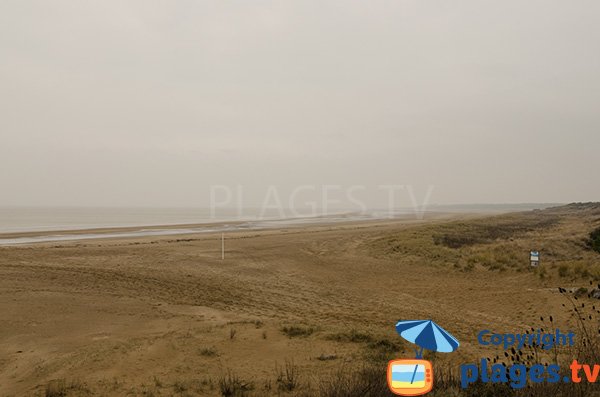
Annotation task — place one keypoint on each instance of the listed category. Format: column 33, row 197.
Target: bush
column 594, row 240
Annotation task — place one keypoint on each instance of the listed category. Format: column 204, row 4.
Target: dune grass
column 568, row 238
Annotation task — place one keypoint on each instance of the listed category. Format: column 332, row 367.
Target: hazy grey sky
column 151, row 102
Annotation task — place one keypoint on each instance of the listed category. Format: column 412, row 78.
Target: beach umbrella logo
column 414, row 377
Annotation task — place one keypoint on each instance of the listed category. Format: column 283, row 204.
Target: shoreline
column 39, row 237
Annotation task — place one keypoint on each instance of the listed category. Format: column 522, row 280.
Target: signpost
column 534, row 258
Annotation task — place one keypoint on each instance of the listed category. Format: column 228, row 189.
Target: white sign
column 534, row 257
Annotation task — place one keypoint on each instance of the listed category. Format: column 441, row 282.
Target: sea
column 47, row 223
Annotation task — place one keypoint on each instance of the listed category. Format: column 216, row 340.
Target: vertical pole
column 222, row 246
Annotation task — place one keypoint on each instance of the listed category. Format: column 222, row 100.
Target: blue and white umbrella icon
column 427, row 335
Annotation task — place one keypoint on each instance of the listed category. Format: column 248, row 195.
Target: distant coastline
column 27, row 225
column 16, row 219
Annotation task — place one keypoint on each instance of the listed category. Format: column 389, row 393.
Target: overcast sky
column 112, row 103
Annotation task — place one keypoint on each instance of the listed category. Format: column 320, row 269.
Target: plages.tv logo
column 414, row 377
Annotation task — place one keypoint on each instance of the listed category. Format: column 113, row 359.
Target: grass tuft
column 230, row 385
column 61, row 388
column 209, row 352
column 352, row 336
column 288, row 377
column 297, row 331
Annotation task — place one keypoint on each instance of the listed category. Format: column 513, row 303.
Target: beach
column 164, row 313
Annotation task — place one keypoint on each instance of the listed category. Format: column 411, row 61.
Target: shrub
column 594, row 240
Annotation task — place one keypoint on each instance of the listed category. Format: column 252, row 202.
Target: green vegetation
column 594, row 241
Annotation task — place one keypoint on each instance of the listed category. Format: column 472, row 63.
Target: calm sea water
column 52, row 221
column 31, row 219
column 27, row 219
